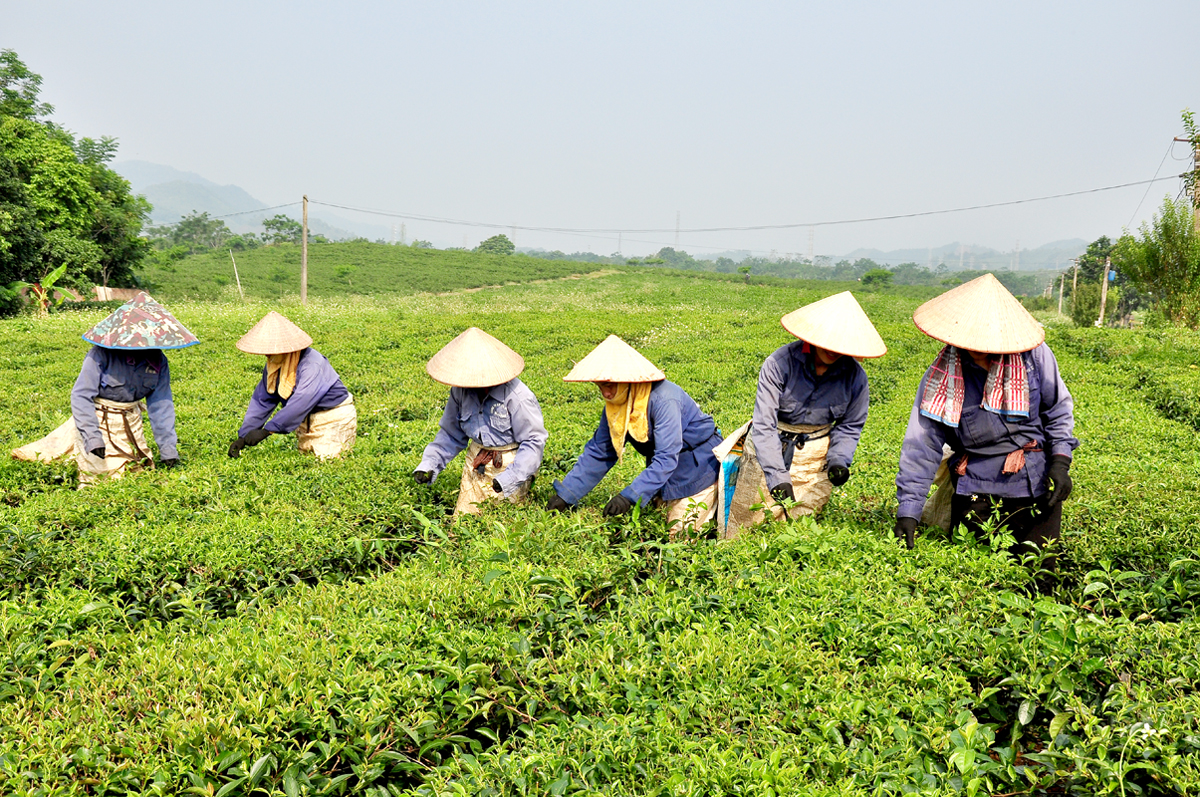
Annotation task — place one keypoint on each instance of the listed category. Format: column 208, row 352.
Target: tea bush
column 276, row 625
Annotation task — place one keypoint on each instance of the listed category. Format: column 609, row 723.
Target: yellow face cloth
column 626, row 413
column 281, row 373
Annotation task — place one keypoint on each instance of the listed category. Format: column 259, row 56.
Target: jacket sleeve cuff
column 566, row 494
column 911, row 509
column 1061, row 449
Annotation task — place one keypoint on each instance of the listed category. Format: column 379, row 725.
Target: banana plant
column 42, row 291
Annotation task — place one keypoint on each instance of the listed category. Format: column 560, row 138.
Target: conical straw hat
column 614, row 360
column 980, row 315
column 274, row 334
column 140, row 323
column 838, row 324
column 475, row 359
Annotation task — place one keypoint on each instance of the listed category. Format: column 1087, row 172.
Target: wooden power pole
column 1104, row 291
column 304, row 255
column 1074, row 285
column 1062, row 280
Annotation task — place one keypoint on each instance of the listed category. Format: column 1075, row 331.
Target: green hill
column 354, row 268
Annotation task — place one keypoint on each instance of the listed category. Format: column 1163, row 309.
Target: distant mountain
column 1049, row 257
column 175, row 193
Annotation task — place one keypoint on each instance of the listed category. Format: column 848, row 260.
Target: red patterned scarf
column 1005, row 393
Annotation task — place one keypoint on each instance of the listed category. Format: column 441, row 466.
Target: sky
column 629, row 115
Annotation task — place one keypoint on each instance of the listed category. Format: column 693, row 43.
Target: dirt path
column 587, row 275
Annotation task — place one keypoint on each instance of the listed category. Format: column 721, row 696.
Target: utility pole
column 1104, row 291
column 677, row 231
column 403, row 234
column 811, row 236
column 1061, row 281
column 1018, row 268
column 236, row 277
column 514, row 237
column 304, row 255
column 1074, row 285
column 1195, row 177
column 620, row 236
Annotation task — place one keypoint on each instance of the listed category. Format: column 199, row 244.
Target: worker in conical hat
column 995, row 398
column 492, row 414
column 661, row 422
column 124, row 372
column 809, row 413
column 300, row 383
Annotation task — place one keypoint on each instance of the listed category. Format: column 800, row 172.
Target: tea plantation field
column 271, row 625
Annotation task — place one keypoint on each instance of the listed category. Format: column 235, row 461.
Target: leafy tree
column 1164, row 261
column 19, row 90
column 877, row 277
column 419, row 244
column 497, row 245
column 60, row 204
column 280, row 229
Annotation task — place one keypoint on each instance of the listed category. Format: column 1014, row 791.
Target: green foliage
column 60, row 204
column 19, row 90
column 496, row 245
column 196, row 232
column 281, row 229
column 1164, row 261
column 877, row 278
column 276, row 624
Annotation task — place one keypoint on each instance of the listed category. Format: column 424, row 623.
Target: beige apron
column 57, row 445
column 476, row 488
column 691, row 512
column 329, row 433
column 125, row 446
column 810, row 482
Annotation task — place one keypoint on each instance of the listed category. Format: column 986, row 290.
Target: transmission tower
column 811, row 236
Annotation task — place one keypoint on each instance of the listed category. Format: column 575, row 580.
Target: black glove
column 422, row 476
column 97, row 452
column 170, row 462
column 782, row 491
column 839, row 475
column 556, row 504
column 906, row 529
column 1059, row 479
column 255, row 437
column 496, row 486
column 235, row 448
column 617, row 505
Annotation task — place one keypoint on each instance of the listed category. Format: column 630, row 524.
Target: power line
column 1170, row 149
column 260, row 210
column 747, row 228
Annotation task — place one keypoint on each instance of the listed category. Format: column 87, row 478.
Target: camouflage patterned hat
column 141, row 323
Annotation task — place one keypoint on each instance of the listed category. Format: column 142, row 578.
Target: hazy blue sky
column 619, row 114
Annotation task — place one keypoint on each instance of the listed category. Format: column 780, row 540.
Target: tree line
column 65, row 217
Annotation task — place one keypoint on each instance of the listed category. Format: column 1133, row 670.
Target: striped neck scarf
column 1005, row 393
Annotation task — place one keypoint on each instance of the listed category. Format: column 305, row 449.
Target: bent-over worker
column 995, row 397
column 661, row 422
column 124, row 372
column 492, row 414
column 809, row 412
column 300, row 383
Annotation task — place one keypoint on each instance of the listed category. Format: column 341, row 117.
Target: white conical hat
column 838, row 324
column 980, row 315
column 475, row 359
column 614, row 360
column 274, row 334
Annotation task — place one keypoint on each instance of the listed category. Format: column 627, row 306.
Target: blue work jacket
column 986, row 439
column 507, row 414
column 125, row 376
column 678, row 451
column 790, row 391
column 318, row 387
